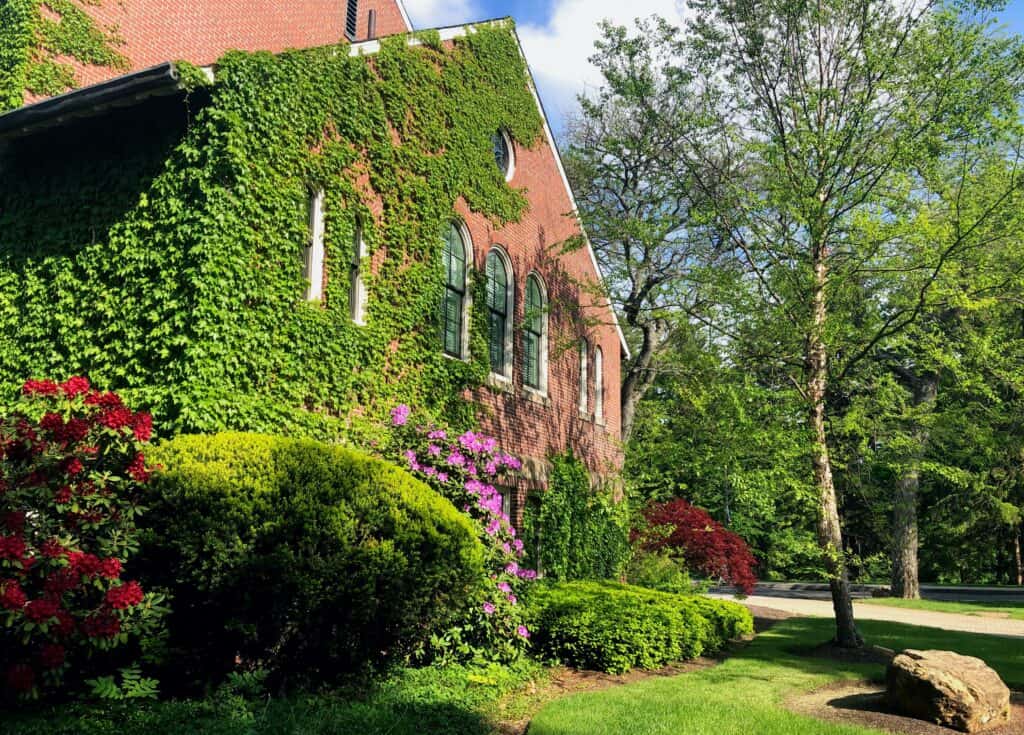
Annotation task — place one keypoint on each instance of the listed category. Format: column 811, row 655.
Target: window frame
column 598, row 384
column 501, row 256
column 313, row 253
column 357, row 294
column 466, row 295
column 541, row 388
column 510, row 170
column 584, row 397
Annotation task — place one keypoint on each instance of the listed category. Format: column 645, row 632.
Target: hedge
column 613, row 627
column 299, row 557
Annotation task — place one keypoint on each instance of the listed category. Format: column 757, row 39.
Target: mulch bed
column 863, row 703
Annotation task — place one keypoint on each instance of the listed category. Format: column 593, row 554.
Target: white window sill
column 500, row 382
column 541, row 397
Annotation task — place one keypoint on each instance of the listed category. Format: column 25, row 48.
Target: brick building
column 555, row 346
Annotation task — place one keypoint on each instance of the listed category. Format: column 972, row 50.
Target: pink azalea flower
column 442, row 476
column 434, row 450
column 523, row 631
column 399, row 415
column 437, row 434
column 513, row 599
column 489, row 608
column 504, row 587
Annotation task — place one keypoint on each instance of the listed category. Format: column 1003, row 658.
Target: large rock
column 948, row 689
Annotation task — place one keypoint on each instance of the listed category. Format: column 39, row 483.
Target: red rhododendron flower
column 62, row 495
column 12, row 547
column 52, row 421
column 42, row 610
column 52, row 549
column 12, row 596
column 65, row 624
column 117, row 417
column 110, row 568
column 52, row 656
column 137, row 469
column 85, row 564
column 75, row 386
column 20, row 678
column 60, row 581
column 40, row 388
column 14, row 521
column 73, row 466
column 142, row 426
column 127, row 595
column 103, row 625
column 74, row 430
column 104, row 400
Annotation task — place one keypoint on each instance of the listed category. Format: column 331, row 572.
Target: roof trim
column 156, row 80
column 405, row 15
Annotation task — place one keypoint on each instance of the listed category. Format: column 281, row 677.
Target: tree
column 627, row 161
column 819, row 123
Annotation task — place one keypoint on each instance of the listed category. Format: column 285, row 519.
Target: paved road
column 928, row 618
column 947, row 593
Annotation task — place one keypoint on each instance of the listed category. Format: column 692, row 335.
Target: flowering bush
column 467, row 470
column 71, row 471
column 708, row 547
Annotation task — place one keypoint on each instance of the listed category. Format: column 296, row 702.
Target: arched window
column 598, row 384
column 535, row 336
column 453, row 307
column 584, row 348
column 313, row 252
column 357, row 288
column 500, row 307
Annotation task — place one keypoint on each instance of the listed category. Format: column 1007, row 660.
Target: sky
column 559, row 35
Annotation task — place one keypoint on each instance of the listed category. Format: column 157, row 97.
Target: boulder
column 948, row 689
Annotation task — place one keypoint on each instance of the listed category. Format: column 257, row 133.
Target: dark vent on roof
column 352, row 20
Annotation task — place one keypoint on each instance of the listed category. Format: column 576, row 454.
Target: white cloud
column 438, row 13
column 559, row 49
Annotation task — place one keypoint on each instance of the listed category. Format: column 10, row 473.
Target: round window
column 503, row 153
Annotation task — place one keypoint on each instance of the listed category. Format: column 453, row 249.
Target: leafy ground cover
column 996, row 609
column 746, row 693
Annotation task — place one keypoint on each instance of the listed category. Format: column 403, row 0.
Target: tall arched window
column 453, row 307
column 535, row 336
column 598, row 384
column 584, row 349
column 500, row 307
column 357, row 287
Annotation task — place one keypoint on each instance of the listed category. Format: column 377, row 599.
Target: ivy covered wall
column 41, row 41
column 158, row 250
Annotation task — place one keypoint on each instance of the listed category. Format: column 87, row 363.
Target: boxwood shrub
column 298, row 557
column 614, row 627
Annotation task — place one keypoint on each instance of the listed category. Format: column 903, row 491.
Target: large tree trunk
column 639, row 377
column 905, row 580
column 830, row 534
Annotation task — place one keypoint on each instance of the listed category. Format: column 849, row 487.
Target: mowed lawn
column 1011, row 610
column 744, row 695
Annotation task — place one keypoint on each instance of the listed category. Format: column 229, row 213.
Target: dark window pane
column 502, row 155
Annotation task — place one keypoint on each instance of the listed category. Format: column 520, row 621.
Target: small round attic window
column 503, row 155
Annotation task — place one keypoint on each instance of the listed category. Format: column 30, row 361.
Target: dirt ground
column 863, row 703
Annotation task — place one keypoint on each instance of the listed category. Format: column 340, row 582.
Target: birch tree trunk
column 830, row 534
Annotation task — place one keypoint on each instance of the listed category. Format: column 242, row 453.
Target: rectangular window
column 313, row 253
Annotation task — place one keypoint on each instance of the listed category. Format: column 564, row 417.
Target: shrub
column 706, row 544
column 614, row 628
column 71, row 477
column 659, row 570
column 299, row 557
column 490, row 625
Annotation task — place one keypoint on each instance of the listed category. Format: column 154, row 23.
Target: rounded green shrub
column 613, row 627
column 295, row 556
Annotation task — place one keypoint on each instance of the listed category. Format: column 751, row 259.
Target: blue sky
column 559, row 34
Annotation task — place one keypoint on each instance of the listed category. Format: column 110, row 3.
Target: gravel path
column 928, row 618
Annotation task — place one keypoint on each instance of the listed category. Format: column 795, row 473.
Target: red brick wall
column 200, row 31
column 526, row 427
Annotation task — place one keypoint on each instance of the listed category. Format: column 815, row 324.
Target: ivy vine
column 36, row 38
column 158, row 250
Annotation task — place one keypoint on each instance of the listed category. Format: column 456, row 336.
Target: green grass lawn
column 745, row 693
column 1012, row 610
column 741, row 696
